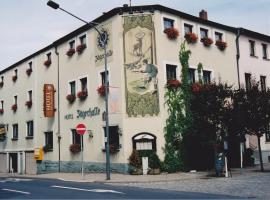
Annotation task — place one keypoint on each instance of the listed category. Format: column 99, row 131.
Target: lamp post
column 103, row 39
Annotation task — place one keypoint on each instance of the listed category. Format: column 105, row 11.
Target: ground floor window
column 15, row 131
column 76, row 138
column 267, row 133
column 144, row 141
column 49, row 140
column 113, row 137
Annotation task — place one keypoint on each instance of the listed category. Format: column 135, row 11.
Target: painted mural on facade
column 140, row 68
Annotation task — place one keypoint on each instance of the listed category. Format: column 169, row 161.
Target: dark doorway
column 13, row 162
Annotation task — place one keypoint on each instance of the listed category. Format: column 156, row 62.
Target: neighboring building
column 141, row 59
column 254, row 63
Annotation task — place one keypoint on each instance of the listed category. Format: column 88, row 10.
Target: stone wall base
column 47, row 166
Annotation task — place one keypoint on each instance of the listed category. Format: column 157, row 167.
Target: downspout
column 238, row 55
column 58, row 109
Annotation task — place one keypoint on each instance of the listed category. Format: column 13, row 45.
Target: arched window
column 144, row 141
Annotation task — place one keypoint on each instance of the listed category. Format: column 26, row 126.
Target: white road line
column 86, row 190
column 17, row 191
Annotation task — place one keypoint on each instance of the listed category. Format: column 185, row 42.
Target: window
column 252, row 47
column 144, row 141
column 15, row 100
column 2, row 105
column 206, row 77
column 30, row 129
column 171, row 72
column 2, row 78
column 203, row 33
column 83, row 39
column 49, row 140
column 113, row 136
column 191, row 75
column 30, row 64
column 30, row 95
column 102, row 74
column 263, row 83
column 168, row 23
column 248, row 81
column 264, row 49
column 188, row 28
column 72, row 86
column 15, row 131
column 49, row 55
column 84, row 84
column 218, row 36
column 72, row 44
column 76, row 138
column 267, row 133
column 16, row 72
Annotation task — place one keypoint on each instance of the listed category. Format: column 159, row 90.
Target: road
column 18, row 188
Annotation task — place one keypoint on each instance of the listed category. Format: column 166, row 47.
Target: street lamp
column 103, row 39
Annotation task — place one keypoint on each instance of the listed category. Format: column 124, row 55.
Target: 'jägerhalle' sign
column 48, row 102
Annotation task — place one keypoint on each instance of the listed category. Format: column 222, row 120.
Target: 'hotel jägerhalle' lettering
column 48, row 101
column 88, row 113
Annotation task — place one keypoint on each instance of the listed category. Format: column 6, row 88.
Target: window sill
column 49, row 150
column 266, row 59
column 14, row 139
column 29, row 137
column 253, row 56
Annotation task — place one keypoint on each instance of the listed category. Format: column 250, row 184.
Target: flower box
column 191, row 37
column 28, row 104
column 75, row 148
column 172, row 33
column 1, row 84
column 207, row 41
column 14, row 78
column 221, row 45
column 14, row 107
column 82, row 95
column 113, row 148
column 70, row 52
column 28, row 71
column 1, row 111
column 71, row 98
column 47, row 63
column 80, row 48
column 173, row 83
column 101, row 90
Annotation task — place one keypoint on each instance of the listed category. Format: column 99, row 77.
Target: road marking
column 14, row 180
column 86, row 190
column 17, row 191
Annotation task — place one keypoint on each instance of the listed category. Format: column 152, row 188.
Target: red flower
column 207, row 41
column 71, row 98
column 221, row 45
column 14, row 107
column 191, row 37
column 28, row 71
column 14, row 78
column 70, row 52
column 82, row 95
column 75, row 148
column 80, row 48
column 173, row 83
column 47, row 63
column 101, row 90
column 196, row 87
column 1, row 111
column 28, row 104
column 1, row 84
column 172, row 33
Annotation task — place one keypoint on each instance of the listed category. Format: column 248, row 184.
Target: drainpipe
column 238, row 34
column 238, row 55
column 58, row 109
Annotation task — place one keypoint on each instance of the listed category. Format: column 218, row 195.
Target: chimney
column 203, row 15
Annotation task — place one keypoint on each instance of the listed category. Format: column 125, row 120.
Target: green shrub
column 154, row 161
column 134, row 159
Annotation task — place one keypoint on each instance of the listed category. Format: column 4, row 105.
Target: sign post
column 81, row 129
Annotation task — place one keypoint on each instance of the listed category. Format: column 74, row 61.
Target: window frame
column 206, row 31
column 48, row 136
column 210, row 76
column 194, row 75
column 168, row 20
column 100, row 79
column 74, row 44
column 70, row 88
column 2, row 104
column 188, row 26
column 30, row 129
column 175, row 71
column 248, row 81
column 76, row 138
column 116, row 140
column 264, row 51
column 81, row 83
column 252, row 48
column 83, row 39
column 15, row 131
column 263, row 83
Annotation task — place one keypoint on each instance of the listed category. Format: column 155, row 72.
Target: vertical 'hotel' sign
column 48, row 102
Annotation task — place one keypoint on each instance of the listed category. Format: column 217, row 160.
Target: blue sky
column 29, row 25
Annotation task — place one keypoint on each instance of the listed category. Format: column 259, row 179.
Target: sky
column 27, row 26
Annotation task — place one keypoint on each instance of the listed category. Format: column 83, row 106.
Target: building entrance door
column 13, row 162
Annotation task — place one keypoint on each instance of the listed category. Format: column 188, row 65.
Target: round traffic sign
column 81, row 129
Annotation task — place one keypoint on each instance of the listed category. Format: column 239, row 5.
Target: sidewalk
column 115, row 178
column 126, row 178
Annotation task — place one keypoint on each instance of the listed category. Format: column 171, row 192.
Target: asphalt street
column 18, row 188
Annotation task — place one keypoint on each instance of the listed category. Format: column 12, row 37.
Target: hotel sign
column 82, row 114
column 48, row 102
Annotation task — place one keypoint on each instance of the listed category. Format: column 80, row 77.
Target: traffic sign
column 81, row 129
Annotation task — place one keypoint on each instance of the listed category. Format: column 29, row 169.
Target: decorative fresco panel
column 140, row 69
